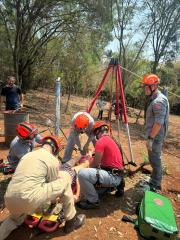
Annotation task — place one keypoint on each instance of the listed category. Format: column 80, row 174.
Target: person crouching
column 37, row 180
column 107, row 169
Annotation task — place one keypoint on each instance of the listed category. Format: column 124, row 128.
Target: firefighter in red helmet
column 26, row 139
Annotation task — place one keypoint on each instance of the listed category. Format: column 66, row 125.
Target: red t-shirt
column 112, row 157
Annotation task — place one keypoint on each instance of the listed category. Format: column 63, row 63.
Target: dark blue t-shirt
column 12, row 95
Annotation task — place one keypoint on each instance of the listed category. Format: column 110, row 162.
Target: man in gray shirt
column 156, row 126
column 25, row 141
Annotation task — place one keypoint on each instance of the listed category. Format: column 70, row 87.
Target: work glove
column 149, row 144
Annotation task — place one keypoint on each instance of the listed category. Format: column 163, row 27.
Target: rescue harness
column 112, row 171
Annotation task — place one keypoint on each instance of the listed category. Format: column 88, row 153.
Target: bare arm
column 97, row 159
column 77, row 195
column 1, row 101
column 21, row 99
column 155, row 130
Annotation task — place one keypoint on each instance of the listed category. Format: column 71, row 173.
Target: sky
column 114, row 45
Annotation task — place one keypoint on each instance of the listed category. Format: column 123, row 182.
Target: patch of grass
column 165, row 169
column 145, row 157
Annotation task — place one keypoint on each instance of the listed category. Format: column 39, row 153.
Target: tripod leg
column 100, row 87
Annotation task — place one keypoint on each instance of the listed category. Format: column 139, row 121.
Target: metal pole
column 117, row 105
column 124, row 112
column 57, row 106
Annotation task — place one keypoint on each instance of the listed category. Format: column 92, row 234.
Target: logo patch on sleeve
column 157, row 106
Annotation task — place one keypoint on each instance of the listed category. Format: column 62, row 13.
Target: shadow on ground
column 109, row 204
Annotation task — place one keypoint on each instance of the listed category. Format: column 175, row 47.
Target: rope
column 133, row 73
column 140, row 77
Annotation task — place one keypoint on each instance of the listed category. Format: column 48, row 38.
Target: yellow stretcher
column 46, row 223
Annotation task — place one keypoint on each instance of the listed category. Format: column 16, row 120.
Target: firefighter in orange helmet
column 157, row 113
column 82, row 122
column 150, row 83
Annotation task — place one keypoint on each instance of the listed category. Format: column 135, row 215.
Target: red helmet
column 100, row 125
column 81, row 121
column 54, row 142
column 150, row 79
column 26, row 130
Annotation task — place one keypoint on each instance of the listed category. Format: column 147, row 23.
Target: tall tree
column 6, row 61
column 31, row 24
column 165, row 16
column 127, row 22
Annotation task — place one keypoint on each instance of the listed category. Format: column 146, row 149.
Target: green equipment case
column 156, row 219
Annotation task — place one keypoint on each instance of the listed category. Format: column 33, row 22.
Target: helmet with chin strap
column 100, row 126
column 151, row 79
column 54, row 142
column 26, row 131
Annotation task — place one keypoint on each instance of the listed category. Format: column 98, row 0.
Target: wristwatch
column 150, row 138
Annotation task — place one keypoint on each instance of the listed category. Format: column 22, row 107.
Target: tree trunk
column 154, row 66
column 16, row 70
column 25, row 77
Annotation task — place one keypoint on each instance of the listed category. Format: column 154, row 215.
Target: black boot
column 88, row 205
column 120, row 189
column 75, row 223
column 153, row 188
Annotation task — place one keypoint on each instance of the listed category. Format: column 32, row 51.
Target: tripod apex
column 114, row 61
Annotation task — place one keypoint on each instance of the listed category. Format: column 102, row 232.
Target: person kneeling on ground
column 25, row 141
column 37, row 180
column 107, row 171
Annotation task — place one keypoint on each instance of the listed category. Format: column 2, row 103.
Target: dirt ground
column 104, row 223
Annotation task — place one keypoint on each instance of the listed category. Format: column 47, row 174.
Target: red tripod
column 115, row 66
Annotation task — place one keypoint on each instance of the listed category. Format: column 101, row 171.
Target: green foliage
column 135, row 96
column 30, row 25
column 170, row 75
column 164, row 15
column 6, row 61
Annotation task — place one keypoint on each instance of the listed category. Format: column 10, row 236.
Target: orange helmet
column 81, row 121
column 26, row 131
column 100, row 125
column 151, row 79
column 53, row 141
